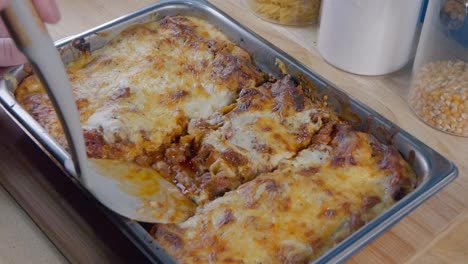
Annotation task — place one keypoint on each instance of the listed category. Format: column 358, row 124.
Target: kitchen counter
column 50, row 221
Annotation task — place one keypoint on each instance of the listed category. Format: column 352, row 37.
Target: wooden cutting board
column 437, row 232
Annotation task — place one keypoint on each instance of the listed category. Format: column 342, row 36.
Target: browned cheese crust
column 138, row 92
column 297, row 212
column 268, row 124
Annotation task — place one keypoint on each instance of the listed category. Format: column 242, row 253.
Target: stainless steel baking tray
column 433, row 170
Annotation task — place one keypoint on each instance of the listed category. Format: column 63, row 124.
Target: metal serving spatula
column 126, row 188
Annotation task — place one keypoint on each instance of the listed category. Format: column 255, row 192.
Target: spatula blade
column 137, row 192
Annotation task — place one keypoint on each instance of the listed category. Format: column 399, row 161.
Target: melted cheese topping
column 267, row 124
column 291, row 215
column 138, row 92
column 264, row 128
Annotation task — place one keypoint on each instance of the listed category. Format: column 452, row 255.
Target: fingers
column 3, row 3
column 3, row 30
column 47, row 9
column 9, row 53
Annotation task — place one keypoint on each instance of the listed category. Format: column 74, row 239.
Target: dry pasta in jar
column 286, row 12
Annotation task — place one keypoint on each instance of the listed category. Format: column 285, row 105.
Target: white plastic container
column 368, row 37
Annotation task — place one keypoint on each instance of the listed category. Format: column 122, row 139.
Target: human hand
column 9, row 53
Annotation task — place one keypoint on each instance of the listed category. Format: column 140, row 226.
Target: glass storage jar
column 439, row 87
column 286, row 12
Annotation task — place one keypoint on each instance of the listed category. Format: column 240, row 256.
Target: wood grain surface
column 436, row 232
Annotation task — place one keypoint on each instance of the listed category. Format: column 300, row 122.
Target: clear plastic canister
column 286, row 12
column 439, row 87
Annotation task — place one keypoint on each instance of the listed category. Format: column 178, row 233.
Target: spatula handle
column 31, row 36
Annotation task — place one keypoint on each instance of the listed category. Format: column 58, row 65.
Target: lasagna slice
column 268, row 124
column 297, row 212
column 137, row 93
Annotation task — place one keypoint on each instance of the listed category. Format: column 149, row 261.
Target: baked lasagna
column 267, row 124
column 137, row 94
column 277, row 176
column 296, row 212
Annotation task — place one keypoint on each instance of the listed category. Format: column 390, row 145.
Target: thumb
column 9, row 53
column 3, row 3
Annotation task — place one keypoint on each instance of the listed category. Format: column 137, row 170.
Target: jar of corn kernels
column 439, row 87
